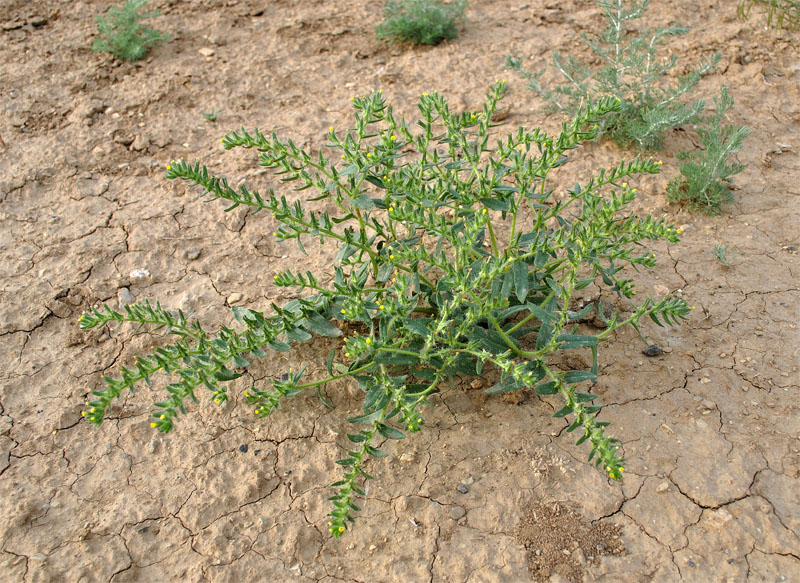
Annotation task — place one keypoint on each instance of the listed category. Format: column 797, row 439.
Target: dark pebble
column 653, row 350
column 285, row 376
column 463, row 489
column 730, row 561
column 243, row 448
column 691, row 564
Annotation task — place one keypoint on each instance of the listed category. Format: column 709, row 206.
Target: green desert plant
column 721, row 254
column 211, row 116
column 651, row 100
column 422, row 22
column 705, row 181
column 122, row 34
column 780, row 13
column 454, row 257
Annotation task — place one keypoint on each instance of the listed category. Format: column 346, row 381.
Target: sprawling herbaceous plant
column 652, row 101
column 455, row 257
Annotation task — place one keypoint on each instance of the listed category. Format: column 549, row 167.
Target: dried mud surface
column 711, row 428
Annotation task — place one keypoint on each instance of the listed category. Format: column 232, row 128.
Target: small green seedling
column 721, row 254
column 211, row 116
column 122, row 34
column 422, row 22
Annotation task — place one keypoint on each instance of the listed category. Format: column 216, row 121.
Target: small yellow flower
column 246, row 394
column 152, row 425
column 382, row 307
column 342, row 311
column 634, row 190
column 679, row 230
column 275, row 277
column 330, row 128
column 274, row 234
column 391, row 256
column 368, row 340
column 691, row 307
column 621, row 469
column 352, row 99
column 216, row 401
column 341, row 529
column 659, row 162
column 411, row 427
column 83, row 413
column 394, row 138
column 343, row 156
column 92, row 410
column 633, row 292
column 162, row 417
column 391, row 209
column 347, row 354
column 169, row 167
column 419, row 420
column 624, row 185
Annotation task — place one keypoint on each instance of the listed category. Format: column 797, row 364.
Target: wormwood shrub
column 631, row 71
column 422, row 22
column 122, row 34
column 705, row 181
column 454, row 257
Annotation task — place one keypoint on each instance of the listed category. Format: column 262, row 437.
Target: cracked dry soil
column 710, row 428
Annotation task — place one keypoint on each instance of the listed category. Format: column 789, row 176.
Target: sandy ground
column 711, row 429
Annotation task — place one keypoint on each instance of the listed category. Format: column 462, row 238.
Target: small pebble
column 151, row 447
column 125, row 297
column 691, row 564
column 206, row 52
column 235, row 297
column 139, row 274
column 243, row 448
column 463, row 489
column 662, row 487
column 653, row 350
column 193, row 254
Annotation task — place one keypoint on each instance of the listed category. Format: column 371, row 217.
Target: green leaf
column 563, row 412
column 569, row 341
column 240, row 362
column 520, row 271
column 279, row 346
column 329, row 364
column 364, row 202
column 375, row 452
column 395, row 358
column 316, row 324
column 385, row 271
column 225, row 374
column 418, row 325
column 298, row 335
column 367, row 419
column 496, row 204
column 584, row 397
column 548, row 388
column 579, row 376
column 375, row 180
column 506, row 386
column 390, row 432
